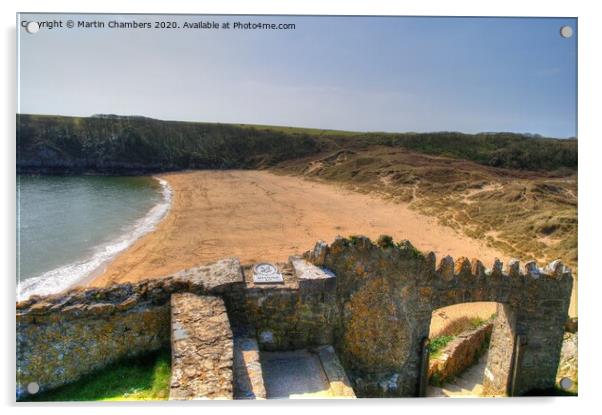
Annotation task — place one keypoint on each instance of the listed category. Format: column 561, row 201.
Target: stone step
column 248, row 375
column 463, row 383
column 201, row 348
column 340, row 387
column 311, row 278
column 294, row 374
column 303, row 374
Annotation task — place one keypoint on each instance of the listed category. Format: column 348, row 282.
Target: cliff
column 53, row 144
column 113, row 144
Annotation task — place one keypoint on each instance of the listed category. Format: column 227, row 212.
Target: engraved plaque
column 266, row 273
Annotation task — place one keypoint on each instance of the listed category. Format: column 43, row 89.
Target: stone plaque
column 265, row 273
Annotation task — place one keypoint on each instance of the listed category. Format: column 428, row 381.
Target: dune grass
column 141, row 378
column 525, row 214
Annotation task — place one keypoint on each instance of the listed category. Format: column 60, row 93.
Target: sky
column 392, row 74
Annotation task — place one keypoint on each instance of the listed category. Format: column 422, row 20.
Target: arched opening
column 470, row 350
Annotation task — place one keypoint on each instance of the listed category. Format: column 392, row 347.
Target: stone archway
column 465, row 367
column 385, row 296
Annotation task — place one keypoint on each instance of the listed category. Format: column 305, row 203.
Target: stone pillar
column 538, row 354
column 376, row 339
column 540, row 323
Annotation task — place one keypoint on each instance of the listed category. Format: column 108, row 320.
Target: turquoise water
column 71, row 226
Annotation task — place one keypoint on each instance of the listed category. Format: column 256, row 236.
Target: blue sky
column 350, row 73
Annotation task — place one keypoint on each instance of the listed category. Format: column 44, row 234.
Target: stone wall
column 386, row 294
column 376, row 313
column 63, row 337
column 500, row 360
column 297, row 314
column 459, row 354
column 201, row 348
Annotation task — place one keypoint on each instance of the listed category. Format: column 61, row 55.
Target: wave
column 61, row 278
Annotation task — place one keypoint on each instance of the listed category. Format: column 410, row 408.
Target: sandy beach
column 260, row 216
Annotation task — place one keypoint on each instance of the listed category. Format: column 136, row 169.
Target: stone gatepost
column 527, row 336
column 498, row 372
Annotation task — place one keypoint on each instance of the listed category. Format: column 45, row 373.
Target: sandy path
column 257, row 215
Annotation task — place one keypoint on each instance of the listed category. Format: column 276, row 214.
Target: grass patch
column 141, row 378
column 437, row 344
column 453, row 329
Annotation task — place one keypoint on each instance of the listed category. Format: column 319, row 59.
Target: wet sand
column 260, row 216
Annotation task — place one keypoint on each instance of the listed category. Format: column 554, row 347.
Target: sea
column 69, row 228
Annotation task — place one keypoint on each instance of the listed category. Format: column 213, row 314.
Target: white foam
column 58, row 279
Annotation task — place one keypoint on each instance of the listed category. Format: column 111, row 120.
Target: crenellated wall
column 386, row 294
column 372, row 301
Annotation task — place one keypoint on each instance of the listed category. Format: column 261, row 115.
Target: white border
column 589, row 183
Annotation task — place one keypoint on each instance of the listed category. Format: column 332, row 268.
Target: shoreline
column 102, row 268
column 102, row 255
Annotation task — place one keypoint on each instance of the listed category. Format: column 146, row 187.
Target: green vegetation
column 508, row 150
column 462, row 324
column 112, row 144
column 437, row 344
column 141, row 378
column 134, row 144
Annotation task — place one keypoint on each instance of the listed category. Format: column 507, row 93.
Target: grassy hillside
column 526, row 214
column 115, row 144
